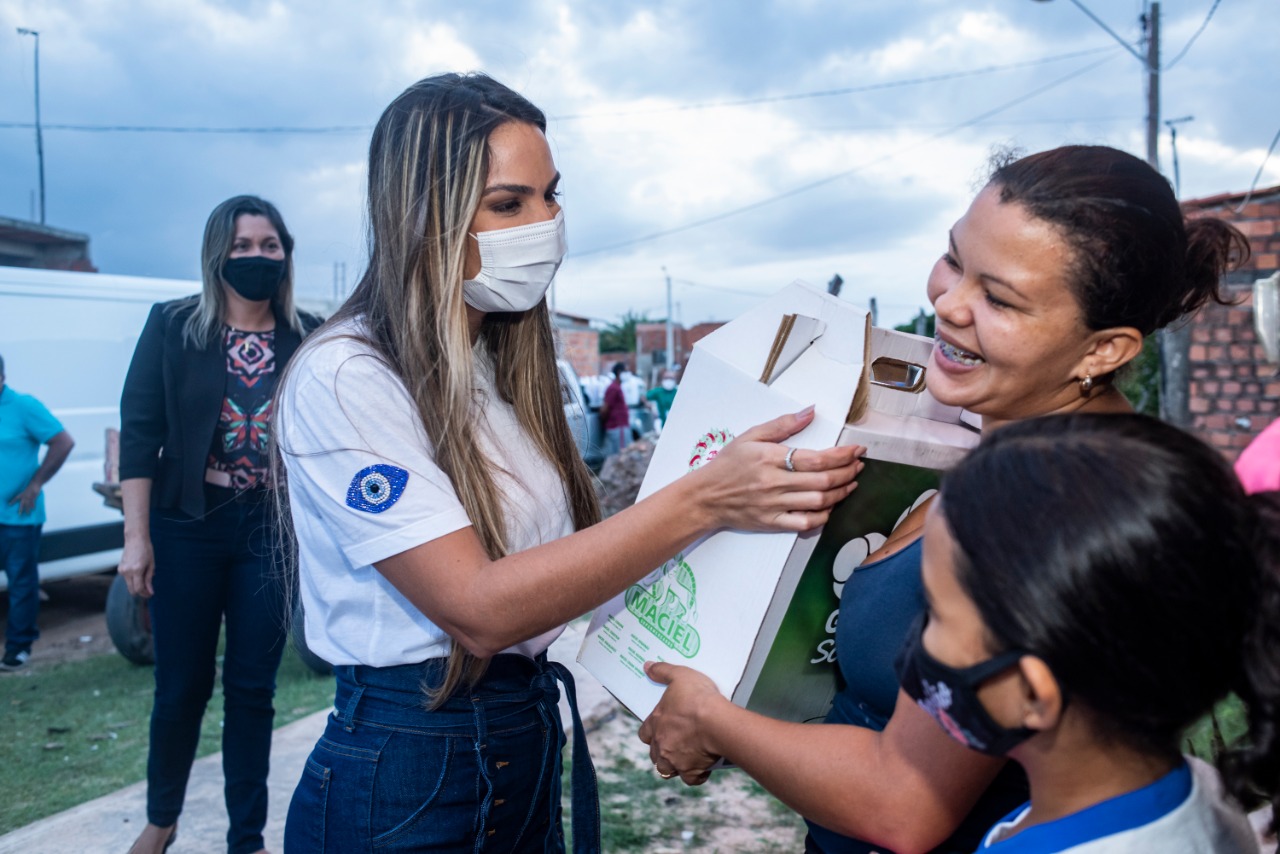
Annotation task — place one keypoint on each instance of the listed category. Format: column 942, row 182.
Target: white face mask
column 516, row 266
column 668, row 384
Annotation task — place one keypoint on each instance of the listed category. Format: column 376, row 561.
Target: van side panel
column 67, row 339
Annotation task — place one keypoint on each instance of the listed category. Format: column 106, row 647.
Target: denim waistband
column 395, row 696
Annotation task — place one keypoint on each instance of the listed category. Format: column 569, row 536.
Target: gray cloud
column 144, row 197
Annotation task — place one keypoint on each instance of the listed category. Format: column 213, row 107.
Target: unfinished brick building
column 1234, row 391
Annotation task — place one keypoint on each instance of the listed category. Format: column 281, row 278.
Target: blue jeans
column 219, row 566
column 615, row 439
column 19, row 551
column 479, row 773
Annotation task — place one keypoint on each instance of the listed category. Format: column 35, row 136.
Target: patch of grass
column 1223, row 727
column 780, row 811
column 79, row 730
column 640, row 812
column 1139, row 381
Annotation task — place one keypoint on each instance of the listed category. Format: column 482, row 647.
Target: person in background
column 1125, row 534
column 25, row 425
column 662, row 396
column 615, row 416
column 1258, row 465
column 199, row 543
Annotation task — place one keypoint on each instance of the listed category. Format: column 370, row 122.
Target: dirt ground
column 729, row 814
column 73, row 624
column 640, row 812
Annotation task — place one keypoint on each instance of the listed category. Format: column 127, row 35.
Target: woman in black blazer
column 199, row 538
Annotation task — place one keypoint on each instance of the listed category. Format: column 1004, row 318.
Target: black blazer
column 171, row 401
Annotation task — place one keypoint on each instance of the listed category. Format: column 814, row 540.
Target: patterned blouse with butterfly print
column 240, row 440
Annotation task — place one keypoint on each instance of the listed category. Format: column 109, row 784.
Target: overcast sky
column 866, row 129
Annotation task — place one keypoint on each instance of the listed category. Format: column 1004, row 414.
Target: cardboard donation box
column 756, row 612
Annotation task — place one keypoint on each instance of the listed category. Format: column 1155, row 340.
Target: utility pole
column 1174, row 341
column 671, row 333
column 1151, row 26
column 921, row 323
column 23, row 31
column 1172, row 125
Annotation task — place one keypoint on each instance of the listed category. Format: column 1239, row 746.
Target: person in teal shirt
column 663, row 395
column 25, row 425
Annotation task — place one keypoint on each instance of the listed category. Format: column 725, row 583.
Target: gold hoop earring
column 1086, row 384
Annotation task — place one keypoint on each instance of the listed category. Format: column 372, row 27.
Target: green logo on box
column 669, row 607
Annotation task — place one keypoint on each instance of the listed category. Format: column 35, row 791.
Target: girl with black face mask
column 1080, row 623
column 199, row 544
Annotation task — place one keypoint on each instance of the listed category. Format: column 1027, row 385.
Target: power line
column 827, row 93
column 720, row 288
column 287, row 129
column 1007, row 123
column 830, row 178
column 187, row 129
column 1194, row 36
column 337, row 129
column 764, row 99
column 1258, row 177
column 1078, row 120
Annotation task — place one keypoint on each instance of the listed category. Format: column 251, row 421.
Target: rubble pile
column 621, row 475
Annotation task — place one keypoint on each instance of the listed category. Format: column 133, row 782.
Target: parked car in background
column 583, row 420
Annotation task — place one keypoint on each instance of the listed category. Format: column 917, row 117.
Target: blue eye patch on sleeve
column 376, row 488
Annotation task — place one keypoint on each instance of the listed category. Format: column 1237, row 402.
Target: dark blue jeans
column 219, row 566
column 19, row 550
column 480, row 773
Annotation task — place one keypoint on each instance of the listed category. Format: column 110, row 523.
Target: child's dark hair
column 1125, row 554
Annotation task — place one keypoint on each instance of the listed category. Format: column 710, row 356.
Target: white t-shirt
column 364, row 486
column 1201, row 823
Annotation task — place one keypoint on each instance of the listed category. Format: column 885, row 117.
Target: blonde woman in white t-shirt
column 446, row 526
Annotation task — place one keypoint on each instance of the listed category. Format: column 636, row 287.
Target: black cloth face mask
column 950, row 695
column 255, row 278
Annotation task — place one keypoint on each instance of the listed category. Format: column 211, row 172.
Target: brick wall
column 651, row 347
column 606, row 361
column 701, row 330
column 1234, row 391
column 580, row 348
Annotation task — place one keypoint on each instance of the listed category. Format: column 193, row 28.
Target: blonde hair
column 428, row 162
column 204, row 324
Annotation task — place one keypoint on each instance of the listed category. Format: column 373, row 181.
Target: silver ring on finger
column 660, row 774
column 787, row 463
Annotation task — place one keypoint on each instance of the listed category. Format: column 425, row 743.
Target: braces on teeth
column 955, row 354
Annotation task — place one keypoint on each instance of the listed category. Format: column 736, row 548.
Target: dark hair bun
column 1136, row 262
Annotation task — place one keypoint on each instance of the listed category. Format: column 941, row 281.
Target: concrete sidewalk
column 111, row 823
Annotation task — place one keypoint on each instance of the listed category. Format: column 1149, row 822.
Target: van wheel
column 298, row 637
column 129, row 623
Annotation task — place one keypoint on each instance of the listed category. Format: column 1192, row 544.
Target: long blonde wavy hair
column 428, row 163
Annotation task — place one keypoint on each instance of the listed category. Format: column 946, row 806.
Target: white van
column 67, row 339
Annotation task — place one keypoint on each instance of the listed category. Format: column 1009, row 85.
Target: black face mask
column 950, row 695
column 255, row 278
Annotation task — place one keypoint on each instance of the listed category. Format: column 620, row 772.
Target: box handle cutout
column 897, row 374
